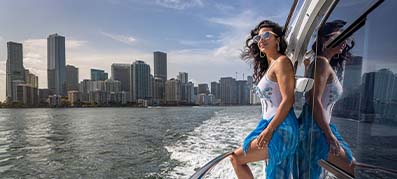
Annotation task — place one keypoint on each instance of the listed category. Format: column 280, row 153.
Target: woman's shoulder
column 283, row 61
column 322, row 63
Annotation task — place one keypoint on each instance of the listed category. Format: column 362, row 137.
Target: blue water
column 148, row 142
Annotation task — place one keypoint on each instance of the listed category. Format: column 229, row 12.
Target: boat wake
column 222, row 133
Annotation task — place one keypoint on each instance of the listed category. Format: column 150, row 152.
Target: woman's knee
column 235, row 159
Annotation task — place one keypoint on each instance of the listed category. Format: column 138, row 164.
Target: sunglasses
column 332, row 37
column 263, row 36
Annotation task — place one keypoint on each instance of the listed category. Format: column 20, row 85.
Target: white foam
column 224, row 132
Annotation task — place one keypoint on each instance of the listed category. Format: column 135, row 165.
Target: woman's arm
column 286, row 80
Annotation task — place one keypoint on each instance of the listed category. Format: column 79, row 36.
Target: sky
column 201, row 37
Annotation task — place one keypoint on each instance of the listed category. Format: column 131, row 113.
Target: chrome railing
column 200, row 173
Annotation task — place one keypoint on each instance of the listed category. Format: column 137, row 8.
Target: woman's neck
column 329, row 55
column 272, row 56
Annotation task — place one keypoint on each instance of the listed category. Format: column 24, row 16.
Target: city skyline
column 215, row 34
column 144, row 88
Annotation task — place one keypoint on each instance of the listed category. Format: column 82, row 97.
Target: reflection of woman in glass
column 276, row 135
column 319, row 139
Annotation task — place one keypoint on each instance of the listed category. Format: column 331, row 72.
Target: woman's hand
column 264, row 137
column 334, row 146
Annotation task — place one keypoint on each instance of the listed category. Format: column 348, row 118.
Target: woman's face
column 338, row 49
column 268, row 44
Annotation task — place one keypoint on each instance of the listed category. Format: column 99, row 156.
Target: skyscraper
column 72, row 78
column 158, row 90
column 384, row 85
column 173, row 91
column 121, row 72
column 140, row 80
column 203, row 88
column 242, row 92
column 15, row 70
column 160, row 76
column 183, row 77
column 98, row 75
column 31, row 79
column 160, row 65
column 112, row 85
column 215, row 89
column 228, row 91
column 190, row 93
column 56, row 70
column 352, row 74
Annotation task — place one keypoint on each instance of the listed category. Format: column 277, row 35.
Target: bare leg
column 239, row 160
column 342, row 162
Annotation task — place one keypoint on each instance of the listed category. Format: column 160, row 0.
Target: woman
column 319, row 139
column 276, row 136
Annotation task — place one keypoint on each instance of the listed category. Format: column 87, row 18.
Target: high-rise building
column 184, row 93
column 140, row 81
column 31, row 79
column 190, row 93
column 183, row 77
column 203, row 88
column 43, row 95
column 160, row 76
column 352, row 74
column 15, row 69
column 195, row 90
column 72, row 78
column 26, row 94
column 56, row 70
column 151, row 83
column 367, row 93
column 84, row 89
column 73, row 97
column 202, row 99
column 158, row 90
column 121, row 72
column 98, row 75
column 160, row 65
column 173, row 91
column 384, row 85
column 215, row 89
column 112, row 85
column 242, row 92
column 228, row 91
column 394, row 97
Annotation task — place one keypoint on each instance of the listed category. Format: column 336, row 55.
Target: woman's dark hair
column 251, row 50
column 324, row 34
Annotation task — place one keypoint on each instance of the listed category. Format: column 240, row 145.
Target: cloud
column 3, row 48
column 2, row 67
column 242, row 20
column 179, row 4
column 210, row 36
column 197, row 42
column 120, row 38
column 232, row 40
column 224, row 7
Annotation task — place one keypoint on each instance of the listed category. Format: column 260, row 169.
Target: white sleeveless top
column 332, row 92
column 269, row 93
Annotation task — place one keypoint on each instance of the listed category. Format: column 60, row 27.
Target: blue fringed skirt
column 281, row 148
column 313, row 146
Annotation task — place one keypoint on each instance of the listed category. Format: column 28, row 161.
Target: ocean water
column 159, row 142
